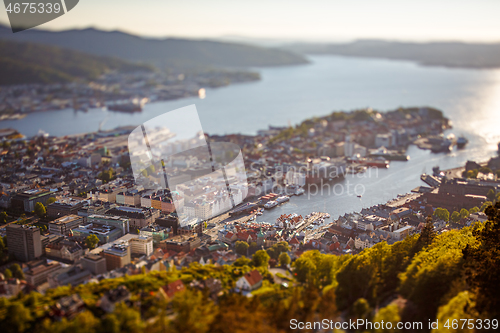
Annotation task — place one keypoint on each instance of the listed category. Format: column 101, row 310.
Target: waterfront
column 470, row 98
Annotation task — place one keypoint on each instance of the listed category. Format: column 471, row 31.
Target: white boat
column 270, row 204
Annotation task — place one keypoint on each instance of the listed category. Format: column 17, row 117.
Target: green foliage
column 242, row 248
column 455, row 217
column 3, row 217
column 389, row 314
column 474, row 210
column 23, row 63
column 91, row 241
column 491, row 195
column 7, row 273
column 464, row 213
column 242, row 261
column 284, row 259
column 483, row 263
column 472, row 173
column 51, row 201
column 194, row 312
column 442, row 214
column 107, row 175
column 486, row 205
column 374, row 273
column 316, row 268
column 433, row 270
column 40, row 210
column 459, row 307
column 17, row 272
column 485, row 170
column 260, row 259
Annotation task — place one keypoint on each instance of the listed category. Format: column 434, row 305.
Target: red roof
column 253, row 277
column 172, row 288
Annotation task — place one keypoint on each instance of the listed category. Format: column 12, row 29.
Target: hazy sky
column 468, row 20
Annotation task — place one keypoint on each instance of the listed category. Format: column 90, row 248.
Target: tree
column 491, row 195
column 455, row 217
column 242, row 248
column 51, row 201
column 284, row 259
column 427, row 235
column 482, row 264
column 3, row 217
column 473, row 210
column 498, row 194
column 7, row 274
column 464, row 213
column 40, row 210
column 486, row 205
column 2, row 246
column 16, row 319
column 242, row 261
column 442, row 214
column 485, row 170
column 260, row 259
column 194, row 313
column 17, row 272
column 91, row 241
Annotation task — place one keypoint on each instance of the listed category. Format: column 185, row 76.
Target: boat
column 462, row 142
column 390, row 155
column 134, row 105
column 360, row 196
column 378, row 162
column 270, row 204
column 445, row 145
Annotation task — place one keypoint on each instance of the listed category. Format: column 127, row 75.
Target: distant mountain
column 22, row 63
column 161, row 52
column 449, row 54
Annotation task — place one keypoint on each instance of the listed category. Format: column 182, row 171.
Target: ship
column 390, row 155
column 134, row 105
column 270, row 204
column 378, row 162
column 319, row 171
column 445, row 145
column 462, row 142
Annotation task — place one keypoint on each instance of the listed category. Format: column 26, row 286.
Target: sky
column 305, row 20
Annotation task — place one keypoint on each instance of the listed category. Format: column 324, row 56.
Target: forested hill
column 449, row 54
column 426, row 277
column 160, row 52
column 22, row 63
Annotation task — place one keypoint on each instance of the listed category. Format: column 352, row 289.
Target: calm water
column 287, row 95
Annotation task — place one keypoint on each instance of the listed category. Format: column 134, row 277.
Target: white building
column 141, row 245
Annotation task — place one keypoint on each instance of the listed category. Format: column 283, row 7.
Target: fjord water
column 288, row 95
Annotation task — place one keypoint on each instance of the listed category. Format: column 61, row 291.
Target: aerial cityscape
column 269, row 183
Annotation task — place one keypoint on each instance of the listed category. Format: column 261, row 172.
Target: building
column 105, row 233
column 181, row 243
column 138, row 217
column 63, row 225
column 94, row 263
column 112, row 297
column 250, row 281
column 73, row 275
column 26, row 200
column 117, row 256
column 65, row 206
column 141, row 245
column 24, row 241
column 169, row 221
column 118, row 222
column 65, row 250
column 38, row 271
column 157, row 232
